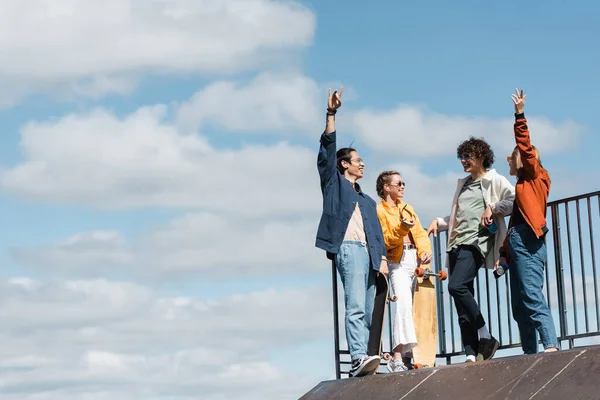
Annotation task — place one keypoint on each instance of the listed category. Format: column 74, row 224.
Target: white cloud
column 416, row 132
column 270, row 103
column 92, row 47
column 101, row 339
column 216, row 246
column 141, row 160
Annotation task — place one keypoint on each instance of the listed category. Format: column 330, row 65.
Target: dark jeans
column 465, row 261
column 529, row 306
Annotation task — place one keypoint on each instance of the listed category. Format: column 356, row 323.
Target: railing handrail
column 573, row 198
column 569, row 276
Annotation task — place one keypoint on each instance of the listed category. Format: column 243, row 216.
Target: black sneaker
column 364, row 366
column 487, row 348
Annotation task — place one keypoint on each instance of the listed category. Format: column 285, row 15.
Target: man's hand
column 383, row 268
column 519, row 101
column 425, row 258
column 433, row 227
column 407, row 224
column 486, row 218
column 501, row 261
column 335, row 99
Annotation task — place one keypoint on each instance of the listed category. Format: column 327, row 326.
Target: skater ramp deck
column 567, row 375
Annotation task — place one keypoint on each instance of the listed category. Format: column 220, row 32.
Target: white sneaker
column 471, row 359
column 364, row 366
column 396, row 366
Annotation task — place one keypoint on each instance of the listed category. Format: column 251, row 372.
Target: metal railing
column 571, row 289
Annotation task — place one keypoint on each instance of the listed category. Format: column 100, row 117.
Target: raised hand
column 519, row 100
column 335, row 99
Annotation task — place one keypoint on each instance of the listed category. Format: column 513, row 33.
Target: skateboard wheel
column 442, row 276
column 393, row 298
column 418, row 366
column 420, row 272
column 386, row 356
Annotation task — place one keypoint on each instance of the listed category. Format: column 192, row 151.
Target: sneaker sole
column 480, row 356
column 368, row 368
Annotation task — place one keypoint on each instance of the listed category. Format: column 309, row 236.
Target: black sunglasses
column 403, row 183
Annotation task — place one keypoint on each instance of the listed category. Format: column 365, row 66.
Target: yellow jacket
column 393, row 232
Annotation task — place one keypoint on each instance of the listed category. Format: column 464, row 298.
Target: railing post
column 437, row 264
column 336, row 324
column 558, row 264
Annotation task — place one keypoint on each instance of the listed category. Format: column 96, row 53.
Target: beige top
column 356, row 228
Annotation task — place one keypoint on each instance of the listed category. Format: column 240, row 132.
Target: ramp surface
column 569, row 375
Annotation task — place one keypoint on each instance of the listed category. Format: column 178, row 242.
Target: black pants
column 465, row 261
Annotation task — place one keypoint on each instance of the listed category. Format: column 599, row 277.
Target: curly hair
column 384, row 178
column 479, row 148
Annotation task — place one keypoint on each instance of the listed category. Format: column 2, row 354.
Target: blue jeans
column 530, row 309
column 358, row 278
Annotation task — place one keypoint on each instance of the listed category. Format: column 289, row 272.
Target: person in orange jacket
column 524, row 249
column 407, row 245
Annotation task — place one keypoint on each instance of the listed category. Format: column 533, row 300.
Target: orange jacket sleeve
column 528, row 156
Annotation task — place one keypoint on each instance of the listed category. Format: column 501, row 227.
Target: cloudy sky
column 159, row 191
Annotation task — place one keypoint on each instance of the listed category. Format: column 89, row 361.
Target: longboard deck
column 425, row 320
column 381, row 295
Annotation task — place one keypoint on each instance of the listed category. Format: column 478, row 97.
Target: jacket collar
column 399, row 204
column 356, row 186
column 488, row 176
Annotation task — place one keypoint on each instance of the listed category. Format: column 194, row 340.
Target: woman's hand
column 407, row 224
column 519, row 100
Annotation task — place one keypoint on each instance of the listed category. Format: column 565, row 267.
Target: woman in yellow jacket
column 408, row 245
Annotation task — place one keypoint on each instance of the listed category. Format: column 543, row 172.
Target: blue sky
column 158, row 176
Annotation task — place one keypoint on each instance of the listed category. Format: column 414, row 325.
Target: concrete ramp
column 565, row 375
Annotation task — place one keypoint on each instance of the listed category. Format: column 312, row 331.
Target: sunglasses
column 464, row 156
column 403, row 183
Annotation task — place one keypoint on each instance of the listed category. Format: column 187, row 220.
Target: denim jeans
column 465, row 262
column 526, row 269
column 358, row 278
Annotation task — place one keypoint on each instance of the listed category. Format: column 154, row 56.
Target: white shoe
column 396, row 366
column 471, row 359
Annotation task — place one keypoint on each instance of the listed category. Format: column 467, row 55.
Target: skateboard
column 425, row 317
column 382, row 297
